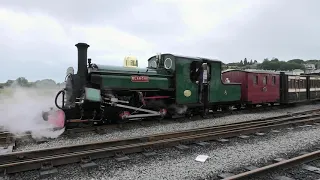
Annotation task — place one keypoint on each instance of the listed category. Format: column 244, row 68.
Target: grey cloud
column 141, row 17
column 77, row 11
column 35, row 63
column 287, row 29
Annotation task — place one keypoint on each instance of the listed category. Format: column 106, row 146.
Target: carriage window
column 273, row 80
column 265, row 80
column 292, row 83
column 289, row 84
column 255, row 79
column 301, row 84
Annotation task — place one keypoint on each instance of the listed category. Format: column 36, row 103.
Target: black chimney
column 82, row 59
column 82, row 63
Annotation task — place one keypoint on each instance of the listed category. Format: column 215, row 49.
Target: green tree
column 298, row 61
column 21, row 81
column 245, row 62
column 8, row 83
column 275, row 64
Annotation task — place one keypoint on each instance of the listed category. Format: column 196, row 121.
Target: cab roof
column 188, row 57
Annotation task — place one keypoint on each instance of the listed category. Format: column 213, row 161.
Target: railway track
column 47, row 159
column 104, row 128
column 278, row 165
column 6, row 138
column 7, row 142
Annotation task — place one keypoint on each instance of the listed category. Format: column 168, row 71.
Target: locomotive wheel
column 189, row 115
column 238, row 106
column 122, row 118
column 163, row 113
column 204, row 113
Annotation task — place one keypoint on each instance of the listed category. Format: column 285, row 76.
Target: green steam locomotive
column 171, row 86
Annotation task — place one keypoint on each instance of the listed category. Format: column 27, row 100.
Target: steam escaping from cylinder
column 179, row 109
column 21, row 112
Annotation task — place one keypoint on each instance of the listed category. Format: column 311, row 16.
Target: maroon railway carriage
column 256, row 87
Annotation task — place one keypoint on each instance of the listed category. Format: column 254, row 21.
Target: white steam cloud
column 21, row 111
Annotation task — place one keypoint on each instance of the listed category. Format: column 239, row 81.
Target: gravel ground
column 174, row 164
column 157, row 128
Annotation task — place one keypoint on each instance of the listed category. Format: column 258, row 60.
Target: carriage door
column 297, row 87
column 204, row 84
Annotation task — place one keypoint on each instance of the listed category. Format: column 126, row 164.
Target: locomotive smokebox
column 82, row 61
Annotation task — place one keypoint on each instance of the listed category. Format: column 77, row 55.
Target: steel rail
column 30, row 160
column 282, row 164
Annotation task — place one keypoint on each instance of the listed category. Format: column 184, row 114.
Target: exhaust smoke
column 21, row 111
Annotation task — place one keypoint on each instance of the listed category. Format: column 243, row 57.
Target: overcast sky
column 38, row 36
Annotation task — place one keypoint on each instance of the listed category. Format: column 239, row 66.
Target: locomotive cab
column 159, row 61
